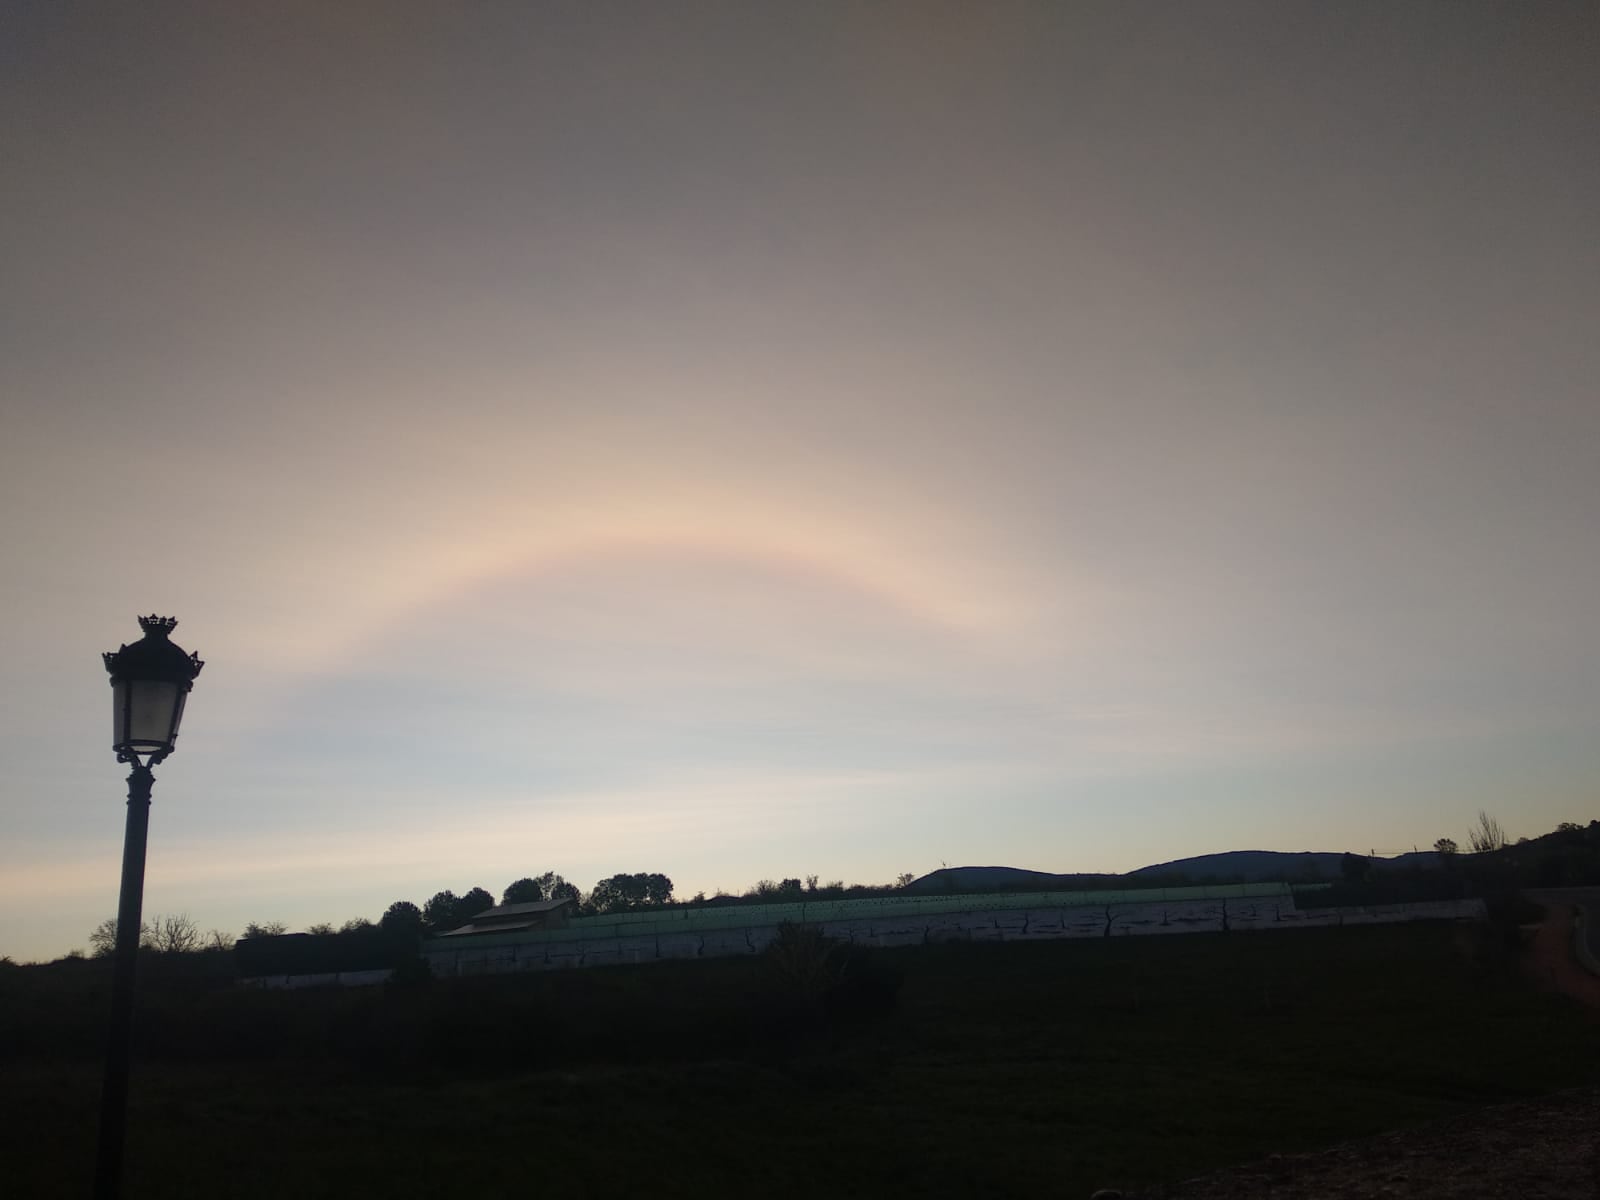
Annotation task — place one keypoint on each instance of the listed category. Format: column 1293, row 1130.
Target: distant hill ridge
column 1230, row 866
column 967, row 879
column 1251, row 866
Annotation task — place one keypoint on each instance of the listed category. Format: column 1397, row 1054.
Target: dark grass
column 1044, row 1069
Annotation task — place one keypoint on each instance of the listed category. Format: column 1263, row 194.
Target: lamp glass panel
column 177, row 714
column 152, row 711
column 119, row 713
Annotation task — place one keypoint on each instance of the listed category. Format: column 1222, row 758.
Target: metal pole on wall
column 130, row 922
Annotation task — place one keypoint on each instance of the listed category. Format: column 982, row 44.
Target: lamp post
column 149, row 682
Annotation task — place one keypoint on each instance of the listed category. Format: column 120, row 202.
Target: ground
column 1546, row 1149
column 1041, row 1070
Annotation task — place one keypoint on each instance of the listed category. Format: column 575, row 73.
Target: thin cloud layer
column 747, row 442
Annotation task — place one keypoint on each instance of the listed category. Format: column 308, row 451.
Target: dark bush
column 360, row 949
column 807, row 981
column 412, row 971
column 868, row 989
column 1512, row 908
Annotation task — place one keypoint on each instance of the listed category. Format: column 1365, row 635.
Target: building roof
column 519, row 910
column 508, row 918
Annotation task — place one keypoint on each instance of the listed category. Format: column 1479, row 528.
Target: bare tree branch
column 1486, row 835
column 174, row 933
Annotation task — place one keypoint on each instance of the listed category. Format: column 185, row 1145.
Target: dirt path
column 1547, row 1148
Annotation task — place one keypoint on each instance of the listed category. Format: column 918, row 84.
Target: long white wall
column 1014, row 925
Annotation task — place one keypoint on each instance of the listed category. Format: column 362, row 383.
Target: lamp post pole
column 150, row 681
column 130, row 922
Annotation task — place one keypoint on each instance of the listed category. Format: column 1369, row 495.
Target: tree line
column 164, row 933
column 622, row 892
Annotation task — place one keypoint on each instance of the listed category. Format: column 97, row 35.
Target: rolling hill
column 1232, row 866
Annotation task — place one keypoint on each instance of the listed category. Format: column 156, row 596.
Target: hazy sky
column 755, row 439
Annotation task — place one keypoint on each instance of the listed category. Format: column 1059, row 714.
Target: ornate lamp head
column 150, row 680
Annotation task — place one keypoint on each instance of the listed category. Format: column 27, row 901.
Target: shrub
column 802, row 963
column 809, row 981
column 412, row 972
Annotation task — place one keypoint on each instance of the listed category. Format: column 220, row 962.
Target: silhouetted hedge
column 367, row 949
column 660, row 1011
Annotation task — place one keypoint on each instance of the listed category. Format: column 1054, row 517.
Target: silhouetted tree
column 320, row 928
column 217, row 939
column 402, row 922
column 104, row 938
column 1487, row 835
column 904, row 879
column 441, row 910
column 613, row 894
column 356, row 925
column 625, row 891
column 557, row 888
column 265, row 929
column 173, row 933
column 523, row 891
column 1445, row 847
column 473, row 903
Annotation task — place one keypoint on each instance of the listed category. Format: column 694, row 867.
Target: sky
column 746, row 440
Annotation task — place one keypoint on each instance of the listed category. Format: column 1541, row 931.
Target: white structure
column 706, row 933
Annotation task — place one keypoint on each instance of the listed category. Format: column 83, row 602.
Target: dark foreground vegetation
column 1045, row 1069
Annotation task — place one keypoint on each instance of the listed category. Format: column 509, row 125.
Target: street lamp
column 150, row 680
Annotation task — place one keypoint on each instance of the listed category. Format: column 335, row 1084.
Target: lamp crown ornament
column 154, row 656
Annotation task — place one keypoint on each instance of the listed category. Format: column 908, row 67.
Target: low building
column 534, row 916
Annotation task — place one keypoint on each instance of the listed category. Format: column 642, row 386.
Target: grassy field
column 1044, row 1069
